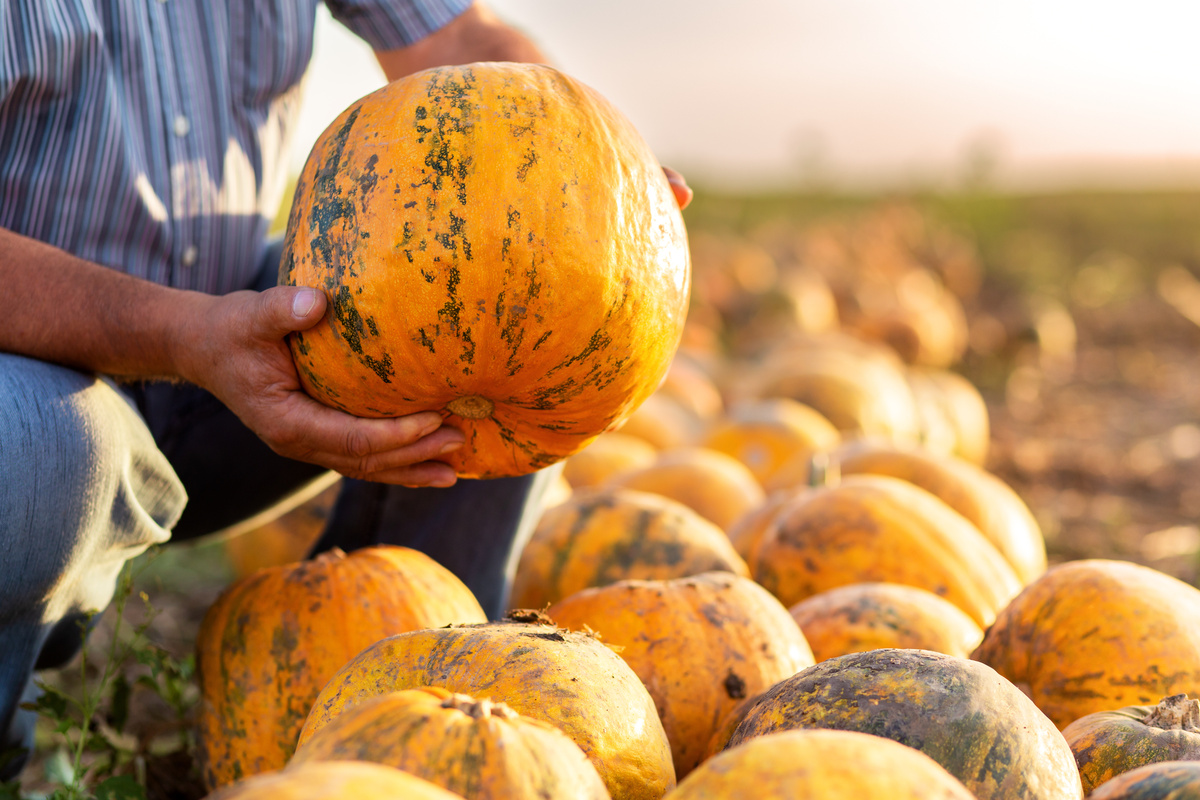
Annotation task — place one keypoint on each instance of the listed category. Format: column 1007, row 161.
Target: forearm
column 63, row 309
column 476, row 35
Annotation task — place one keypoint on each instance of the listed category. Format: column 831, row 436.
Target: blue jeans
column 91, row 474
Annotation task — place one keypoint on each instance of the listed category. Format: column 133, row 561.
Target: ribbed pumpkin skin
column 765, row 434
column 747, row 532
column 608, row 454
column 700, row 644
column 989, row 503
column 875, row 528
column 273, row 639
column 602, row 536
column 480, row 750
column 714, row 484
column 1109, row 743
column 1094, row 635
column 869, row 616
column 567, row 679
column 955, row 399
column 497, row 243
column 1168, row 780
column 323, row 780
column 821, row 765
column 958, row 712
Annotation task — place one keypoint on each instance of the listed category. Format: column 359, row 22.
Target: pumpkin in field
column 954, row 416
column 715, row 485
column 959, row 712
column 1094, row 634
column 475, row 748
column 821, row 765
column 748, row 530
column 607, row 455
column 701, row 644
column 988, row 502
column 875, row 528
column 859, row 387
column 1108, row 743
column 868, row 616
column 326, row 779
column 601, row 536
column 273, row 639
column 568, row 679
column 497, row 243
column 1166, row 780
column 765, row 434
column 284, row 540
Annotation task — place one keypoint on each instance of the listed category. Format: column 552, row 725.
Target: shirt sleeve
column 391, row 24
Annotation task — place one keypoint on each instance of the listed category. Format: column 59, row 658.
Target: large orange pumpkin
column 821, row 765
column 701, row 644
column 476, row 748
column 272, row 640
column 988, row 502
column 876, row 528
column 1109, row 743
column 568, row 679
column 497, row 243
column 321, row 780
column 868, row 616
column 601, row 536
column 1096, row 634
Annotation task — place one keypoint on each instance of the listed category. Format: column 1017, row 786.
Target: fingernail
column 303, row 302
column 449, row 447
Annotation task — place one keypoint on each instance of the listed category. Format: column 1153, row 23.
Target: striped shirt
column 151, row 136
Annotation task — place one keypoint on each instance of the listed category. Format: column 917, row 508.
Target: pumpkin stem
column 823, row 471
column 1175, row 713
column 471, row 407
column 478, row 709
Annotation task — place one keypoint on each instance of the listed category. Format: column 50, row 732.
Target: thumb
column 290, row 308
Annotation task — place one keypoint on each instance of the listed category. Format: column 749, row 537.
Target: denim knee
column 82, row 490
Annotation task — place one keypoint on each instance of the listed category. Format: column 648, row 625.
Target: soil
column 1106, row 450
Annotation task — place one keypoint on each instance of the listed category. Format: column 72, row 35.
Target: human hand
column 239, row 352
column 683, row 193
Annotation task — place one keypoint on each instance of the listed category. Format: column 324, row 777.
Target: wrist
column 186, row 332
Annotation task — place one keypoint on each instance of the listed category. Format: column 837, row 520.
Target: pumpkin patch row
column 786, row 569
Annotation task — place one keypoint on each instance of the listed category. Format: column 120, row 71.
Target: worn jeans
column 91, row 474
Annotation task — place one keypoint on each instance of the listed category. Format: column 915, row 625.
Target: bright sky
column 788, row 91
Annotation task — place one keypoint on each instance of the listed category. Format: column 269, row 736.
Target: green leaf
column 10, row 790
column 51, row 703
column 59, row 768
column 120, row 787
column 118, row 710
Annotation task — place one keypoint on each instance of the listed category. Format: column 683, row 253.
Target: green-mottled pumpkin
column 868, row 616
column 1166, row 780
column 568, row 679
column 325, row 779
column 272, row 640
column 497, row 243
column 601, row 536
column 473, row 747
column 958, row 712
column 1097, row 634
column 1108, row 743
column 821, row 765
column 876, row 528
column 701, row 644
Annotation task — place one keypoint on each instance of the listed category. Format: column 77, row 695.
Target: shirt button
column 182, row 126
column 190, row 254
